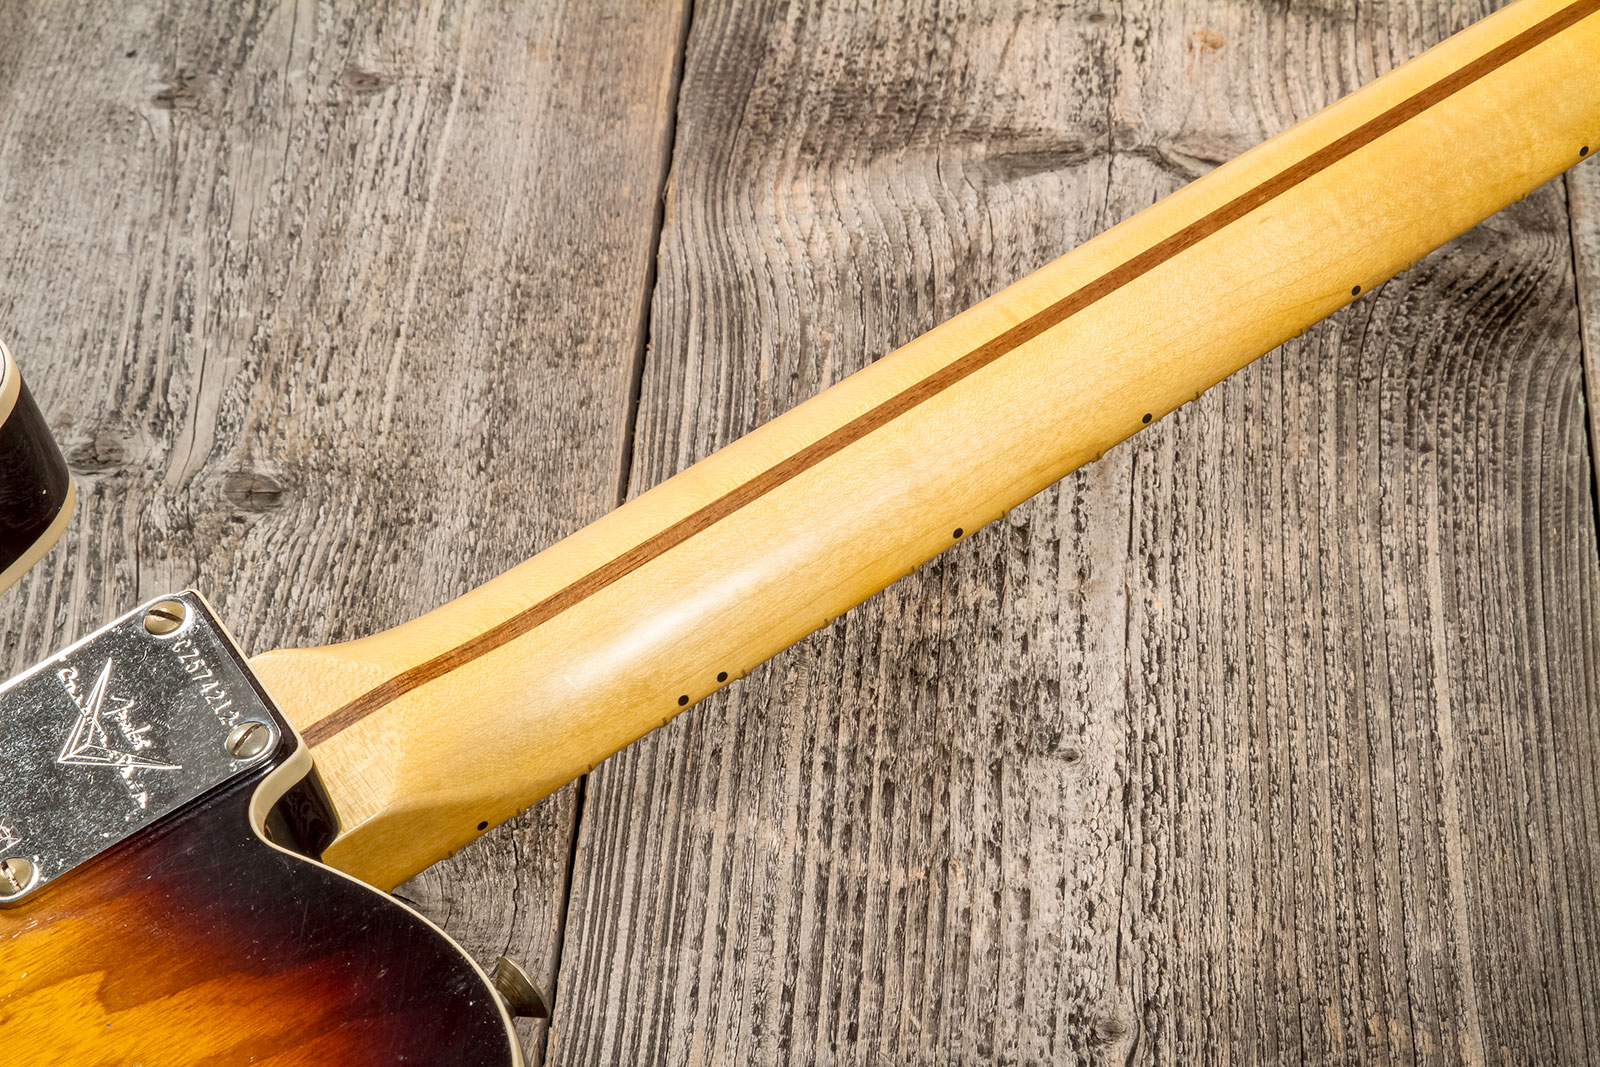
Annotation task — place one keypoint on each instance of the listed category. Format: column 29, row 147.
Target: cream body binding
column 467, row 715
column 10, row 382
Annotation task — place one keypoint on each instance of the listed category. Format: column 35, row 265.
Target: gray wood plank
column 1269, row 738
column 336, row 309
column 1583, row 199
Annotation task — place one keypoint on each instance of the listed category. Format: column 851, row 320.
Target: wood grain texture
column 298, row 287
column 1583, row 199
column 1265, row 739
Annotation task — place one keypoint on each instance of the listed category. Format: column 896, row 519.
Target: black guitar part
column 36, row 494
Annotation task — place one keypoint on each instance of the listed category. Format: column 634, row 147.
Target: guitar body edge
column 36, row 491
column 202, row 943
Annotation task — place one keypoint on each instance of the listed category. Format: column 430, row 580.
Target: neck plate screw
column 248, row 740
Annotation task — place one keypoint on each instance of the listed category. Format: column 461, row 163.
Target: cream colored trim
column 284, row 778
column 46, row 541
column 10, row 382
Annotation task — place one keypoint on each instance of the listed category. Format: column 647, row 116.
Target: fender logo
column 105, row 734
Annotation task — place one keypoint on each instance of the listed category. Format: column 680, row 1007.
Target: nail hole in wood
column 957, row 533
column 1147, row 418
column 722, row 676
column 1355, row 290
column 683, row 700
column 484, row 825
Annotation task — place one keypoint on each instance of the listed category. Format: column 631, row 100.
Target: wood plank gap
column 1583, row 209
column 625, row 473
column 652, row 266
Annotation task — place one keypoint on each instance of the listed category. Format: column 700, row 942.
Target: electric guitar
column 194, row 844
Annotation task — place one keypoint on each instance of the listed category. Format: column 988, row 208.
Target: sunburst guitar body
column 208, row 936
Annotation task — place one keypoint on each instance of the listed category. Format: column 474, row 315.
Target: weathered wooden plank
column 336, row 309
column 1266, row 739
column 1583, row 199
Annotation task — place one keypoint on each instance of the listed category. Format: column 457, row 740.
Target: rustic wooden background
column 1271, row 738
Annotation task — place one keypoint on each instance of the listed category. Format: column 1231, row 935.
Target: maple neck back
column 433, row 731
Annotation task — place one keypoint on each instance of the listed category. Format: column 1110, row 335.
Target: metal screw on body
column 248, row 740
column 164, row 619
column 16, row 875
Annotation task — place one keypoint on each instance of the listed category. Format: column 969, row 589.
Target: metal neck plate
column 118, row 731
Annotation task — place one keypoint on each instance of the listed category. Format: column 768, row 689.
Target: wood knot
column 179, row 94
column 363, row 82
column 253, row 491
column 103, row 450
column 1107, row 1028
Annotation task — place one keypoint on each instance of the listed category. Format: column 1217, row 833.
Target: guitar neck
column 429, row 732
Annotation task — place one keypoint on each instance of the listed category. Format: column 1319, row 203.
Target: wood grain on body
column 336, row 310
column 430, row 731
